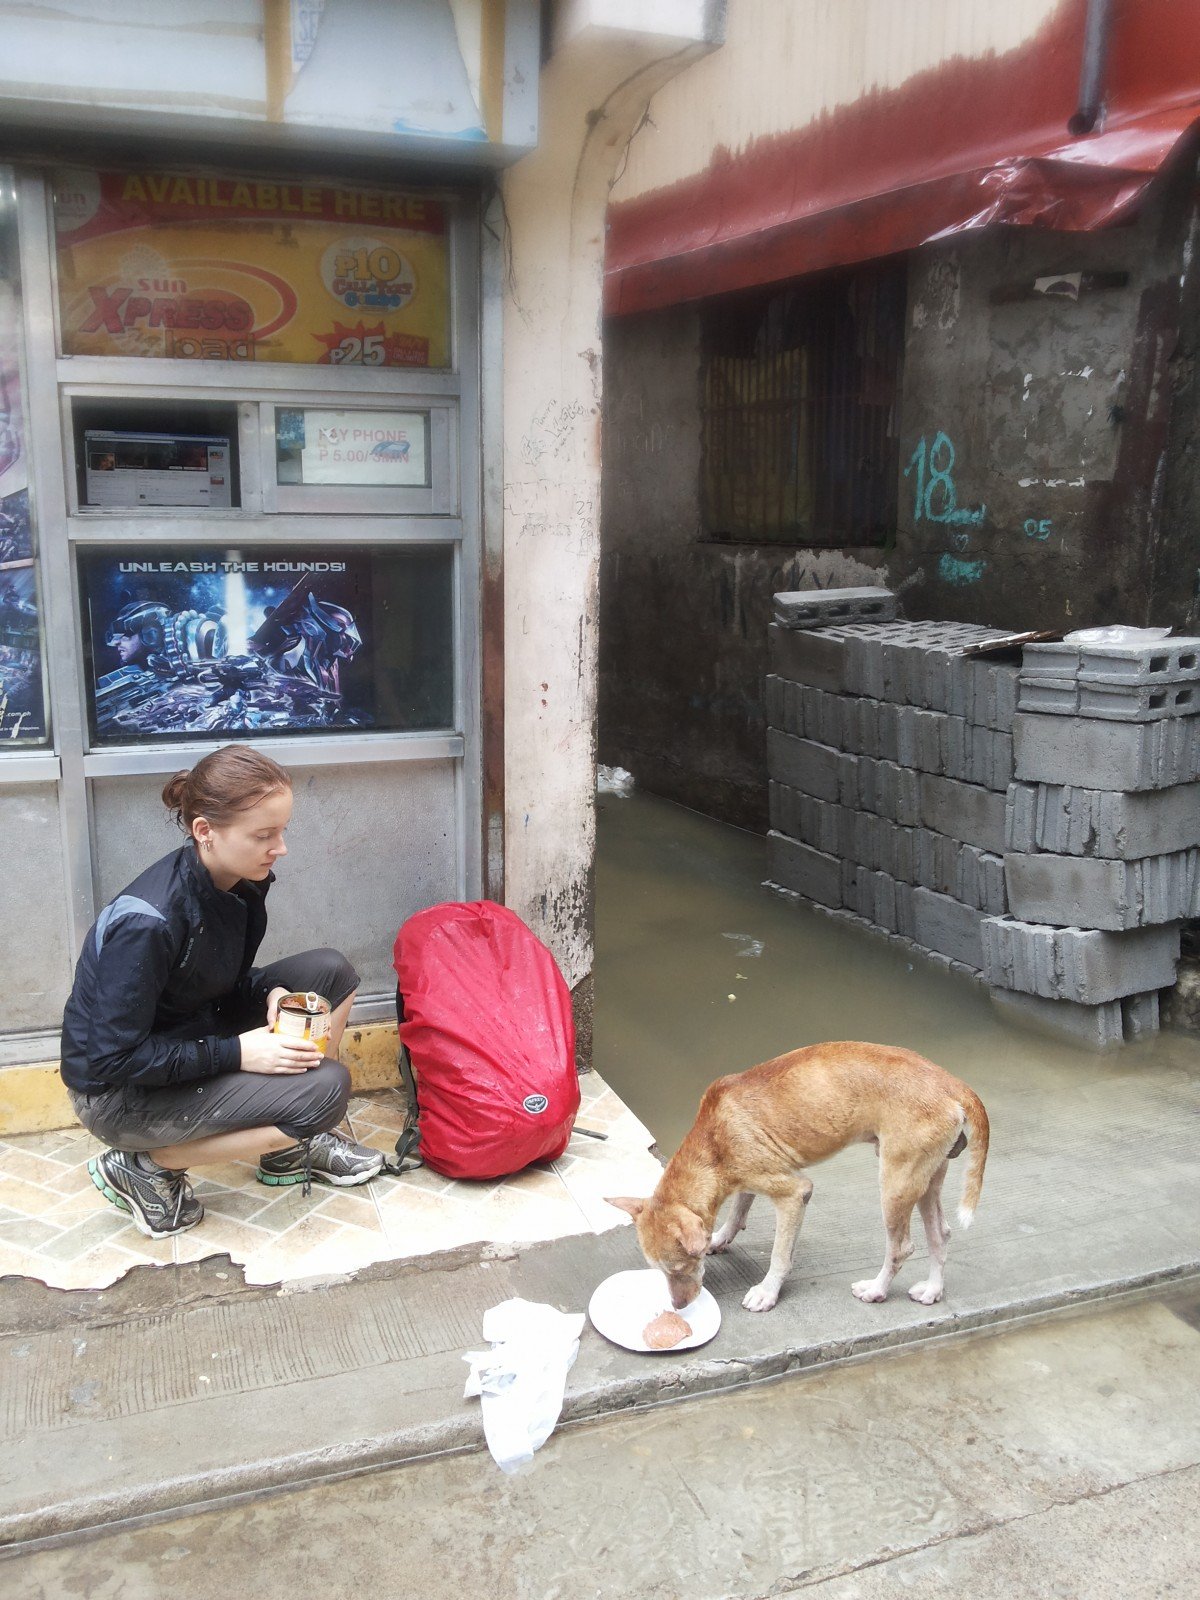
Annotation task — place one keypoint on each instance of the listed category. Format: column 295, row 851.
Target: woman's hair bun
column 173, row 792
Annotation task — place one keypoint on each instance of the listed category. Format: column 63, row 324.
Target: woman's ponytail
column 173, row 795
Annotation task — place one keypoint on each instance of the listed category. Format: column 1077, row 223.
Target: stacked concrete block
column 1037, row 826
column 890, row 756
column 1102, row 836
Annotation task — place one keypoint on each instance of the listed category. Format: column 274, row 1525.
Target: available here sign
column 240, row 269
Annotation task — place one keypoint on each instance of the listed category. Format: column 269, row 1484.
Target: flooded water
column 701, row 971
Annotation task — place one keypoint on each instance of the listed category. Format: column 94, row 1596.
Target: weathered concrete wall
column 1043, row 484
column 1034, row 424
column 683, row 619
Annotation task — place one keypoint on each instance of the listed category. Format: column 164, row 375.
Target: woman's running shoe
column 159, row 1200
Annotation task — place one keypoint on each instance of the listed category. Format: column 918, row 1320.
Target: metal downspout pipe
column 1097, row 31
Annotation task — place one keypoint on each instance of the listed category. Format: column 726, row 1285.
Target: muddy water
column 702, row 971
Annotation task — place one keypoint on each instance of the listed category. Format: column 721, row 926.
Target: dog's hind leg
column 901, row 1191
column 937, row 1236
column 733, row 1224
column 789, row 1214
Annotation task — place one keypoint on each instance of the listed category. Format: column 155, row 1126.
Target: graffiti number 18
column 936, row 499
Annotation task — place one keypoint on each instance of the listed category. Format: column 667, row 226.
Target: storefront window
column 22, row 675
column 367, row 448
column 271, row 639
column 233, row 268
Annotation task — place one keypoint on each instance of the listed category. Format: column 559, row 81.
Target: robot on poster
column 227, row 646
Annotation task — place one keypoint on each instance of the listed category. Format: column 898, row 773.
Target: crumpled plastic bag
column 1117, row 633
column 614, row 780
column 522, row 1378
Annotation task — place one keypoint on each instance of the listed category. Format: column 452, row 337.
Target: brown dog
column 756, row 1131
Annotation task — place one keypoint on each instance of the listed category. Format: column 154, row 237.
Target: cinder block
column 806, row 871
column 1169, row 660
column 994, row 687
column 1106, row 755
column 1092, row 1027
column 1137, row 702
column 964, row 811
column 863, row 670
column 1056, row 697
column 946, row 925
column 804, row 764
column 1098, row 822
column 1093, row 892
column 979, row 880
column 1140, row 1016
column 818, row 608
column 814, row 656
column 935, row 861
column 1080, row 964
column 1052, row 660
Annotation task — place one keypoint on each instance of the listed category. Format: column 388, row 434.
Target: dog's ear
column 634, row 1207
column 693, row 1235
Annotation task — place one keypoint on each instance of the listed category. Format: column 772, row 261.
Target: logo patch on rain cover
column 535, row 1104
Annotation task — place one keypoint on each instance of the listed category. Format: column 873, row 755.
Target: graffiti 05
column 935, row 496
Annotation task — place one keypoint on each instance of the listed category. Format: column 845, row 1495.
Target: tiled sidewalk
column 55, row 1226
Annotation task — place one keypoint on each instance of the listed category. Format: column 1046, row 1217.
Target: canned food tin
column 304, row 1016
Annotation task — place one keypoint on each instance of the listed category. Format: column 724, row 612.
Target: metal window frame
column 821, row 415
column 62, row 528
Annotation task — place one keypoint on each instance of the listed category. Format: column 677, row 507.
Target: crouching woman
column 167, row 1048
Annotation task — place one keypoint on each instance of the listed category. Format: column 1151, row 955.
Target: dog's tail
column 977, row 1143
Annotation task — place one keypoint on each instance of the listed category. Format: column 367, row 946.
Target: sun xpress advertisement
column 244, row 269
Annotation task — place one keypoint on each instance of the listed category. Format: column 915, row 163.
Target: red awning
column 968, row 144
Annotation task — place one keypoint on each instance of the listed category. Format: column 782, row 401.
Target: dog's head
column 674, row 1240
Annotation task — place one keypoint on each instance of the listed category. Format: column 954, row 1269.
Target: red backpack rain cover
column 489, row 1031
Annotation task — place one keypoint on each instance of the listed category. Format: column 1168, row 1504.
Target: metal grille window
column 800, row 399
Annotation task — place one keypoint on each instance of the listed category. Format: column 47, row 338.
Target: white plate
column 623, row 1304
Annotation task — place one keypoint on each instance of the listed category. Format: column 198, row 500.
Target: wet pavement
column 1056, row 1461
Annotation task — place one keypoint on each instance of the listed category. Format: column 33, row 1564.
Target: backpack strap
column 409, row 1143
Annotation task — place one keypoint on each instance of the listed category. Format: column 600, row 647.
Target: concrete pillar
column 602, row 72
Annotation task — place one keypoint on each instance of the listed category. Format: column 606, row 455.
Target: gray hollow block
column 864, row 663
column 887, row 741
column 904, row 910
column 1091, row 1027
column 930, row 731
column 1106, row 755
column 963, row 811
column 883, row 890
column 1085, row 965
column 817, row 823
column 805, row 871
column 1167, row 660
column 979, row 880
column 1098, row 822
column 804, row 764
column 956, row 746
column 1056, row 697
column 830, row 716
column 944, row 924
column 773, row 701
column 850, row 772
column 1055, row 660
column 852, row 886
column 813, row 656
column 903, row 853
column 1140, row 1016
column 994, row 686
column 935, row 861
column 1126, row 701
column 1094, row 892
column 818, row 608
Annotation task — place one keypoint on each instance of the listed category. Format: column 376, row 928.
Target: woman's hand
column 267, row 1052
column 273, row 999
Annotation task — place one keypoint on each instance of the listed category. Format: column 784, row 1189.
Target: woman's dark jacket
column 162, row 975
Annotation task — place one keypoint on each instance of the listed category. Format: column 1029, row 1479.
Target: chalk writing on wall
column 936, row 497
column 1038, row 527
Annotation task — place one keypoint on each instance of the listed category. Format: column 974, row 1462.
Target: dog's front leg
column 733, row 1224
column 789, row 1214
